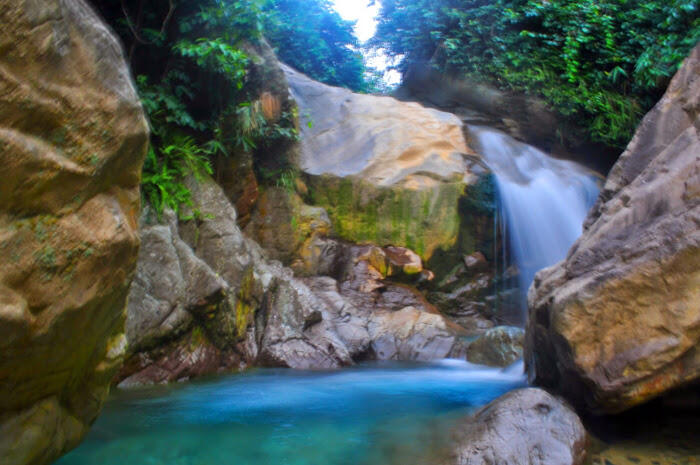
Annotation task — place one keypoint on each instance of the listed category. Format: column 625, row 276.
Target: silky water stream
column 543, row 202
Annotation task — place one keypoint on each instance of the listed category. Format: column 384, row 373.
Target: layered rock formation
column 527, row 426
column 72, row 141
column 206, row 298
column 618, row 322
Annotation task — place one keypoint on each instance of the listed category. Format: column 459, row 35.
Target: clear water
column 544, row 200
column 371, row 415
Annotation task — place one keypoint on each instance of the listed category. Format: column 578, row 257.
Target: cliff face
column 618, row 322
column 72, row 140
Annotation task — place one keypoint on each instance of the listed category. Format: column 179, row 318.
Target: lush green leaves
column 165, row 168
column 601, row 63
column 312, row 37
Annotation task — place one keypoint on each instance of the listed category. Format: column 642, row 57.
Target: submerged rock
column 618, row 322
column 72, row 141
column 500, row 346
column 527, row 426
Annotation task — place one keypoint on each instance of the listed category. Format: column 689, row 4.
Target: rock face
column 72, row 141
column 527, row 426
column 206, row 298
column 618, row 322
column 387, row 172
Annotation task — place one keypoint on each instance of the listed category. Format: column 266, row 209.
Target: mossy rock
column 420, row 220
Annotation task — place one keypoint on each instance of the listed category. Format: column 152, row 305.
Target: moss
column 243, row 308
column 197, row 338
column 58, row 136
column 421, row 220
column 46, row 257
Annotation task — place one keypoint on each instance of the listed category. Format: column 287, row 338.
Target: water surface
column 372, row 414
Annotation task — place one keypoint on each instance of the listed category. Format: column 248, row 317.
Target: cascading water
column 543, row 201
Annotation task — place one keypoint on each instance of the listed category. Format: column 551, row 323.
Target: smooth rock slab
column 524, row 427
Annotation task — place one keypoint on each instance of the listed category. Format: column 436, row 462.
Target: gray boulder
column 524, row 427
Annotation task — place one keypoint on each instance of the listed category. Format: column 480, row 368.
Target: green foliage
column 165, row 168
column 217, row 56
column 193, row 79
column 601, row 63
column 312, row 37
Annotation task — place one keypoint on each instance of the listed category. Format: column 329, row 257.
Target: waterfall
column 543, row 201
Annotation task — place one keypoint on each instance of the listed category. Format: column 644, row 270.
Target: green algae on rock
column 421, row 220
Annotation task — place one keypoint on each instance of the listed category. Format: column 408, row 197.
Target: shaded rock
column 320, row 256
column 618, row 322
column 72, row 140
column 467, row 301
column 282, row 224
column 527, row 426
column 170, row 285
column 268, row 90
column 500, row 346
column 475, row 261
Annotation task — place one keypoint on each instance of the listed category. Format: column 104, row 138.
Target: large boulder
column 618, row 322
column 387, row 172
column 527, row 426
column 72, row 140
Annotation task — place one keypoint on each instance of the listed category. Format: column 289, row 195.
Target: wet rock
column 72, row 141
column 527, row 426
column 475, row 261
column 413, row 334
column 181, row 359
column 500, row 346
column 616, row 323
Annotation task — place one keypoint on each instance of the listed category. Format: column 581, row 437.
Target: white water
column 544, row 200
